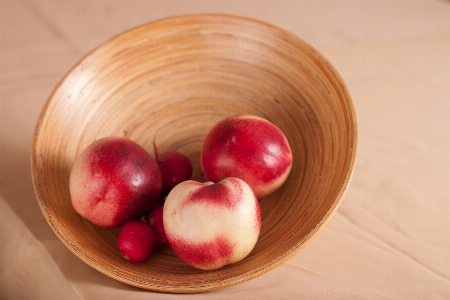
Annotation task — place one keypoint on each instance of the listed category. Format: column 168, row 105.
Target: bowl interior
column 171, row 81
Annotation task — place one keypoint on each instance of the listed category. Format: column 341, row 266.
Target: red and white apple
column 250, row 148
column 113, row 181
column 210, row 225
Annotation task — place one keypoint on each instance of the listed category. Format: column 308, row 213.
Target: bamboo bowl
column 172, row 80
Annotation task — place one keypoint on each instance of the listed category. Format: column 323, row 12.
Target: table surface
column 389, row 239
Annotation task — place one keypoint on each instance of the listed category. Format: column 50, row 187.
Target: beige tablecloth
column 390, row 238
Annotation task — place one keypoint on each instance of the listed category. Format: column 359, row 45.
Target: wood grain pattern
column 172, row 80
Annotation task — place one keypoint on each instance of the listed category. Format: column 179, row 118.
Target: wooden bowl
column 172, row 80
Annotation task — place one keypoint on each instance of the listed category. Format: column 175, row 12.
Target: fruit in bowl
column 113, row 181
column 155, row 221
column 210, row 225
column 250, row 148
column 136, row 241
column 175, row 167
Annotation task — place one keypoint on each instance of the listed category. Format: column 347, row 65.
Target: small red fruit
column 155, row 221
column 136, row 241
column 175, row 167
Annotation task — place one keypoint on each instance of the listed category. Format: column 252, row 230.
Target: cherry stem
column 157, row 154
column 143, row 219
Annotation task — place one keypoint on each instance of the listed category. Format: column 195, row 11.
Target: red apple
column 210, row 225
column 250, row 148
column 113, row 181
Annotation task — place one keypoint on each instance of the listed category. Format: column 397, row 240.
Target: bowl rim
column 261, row 269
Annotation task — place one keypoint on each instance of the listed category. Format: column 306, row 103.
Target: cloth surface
column 389, row 239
